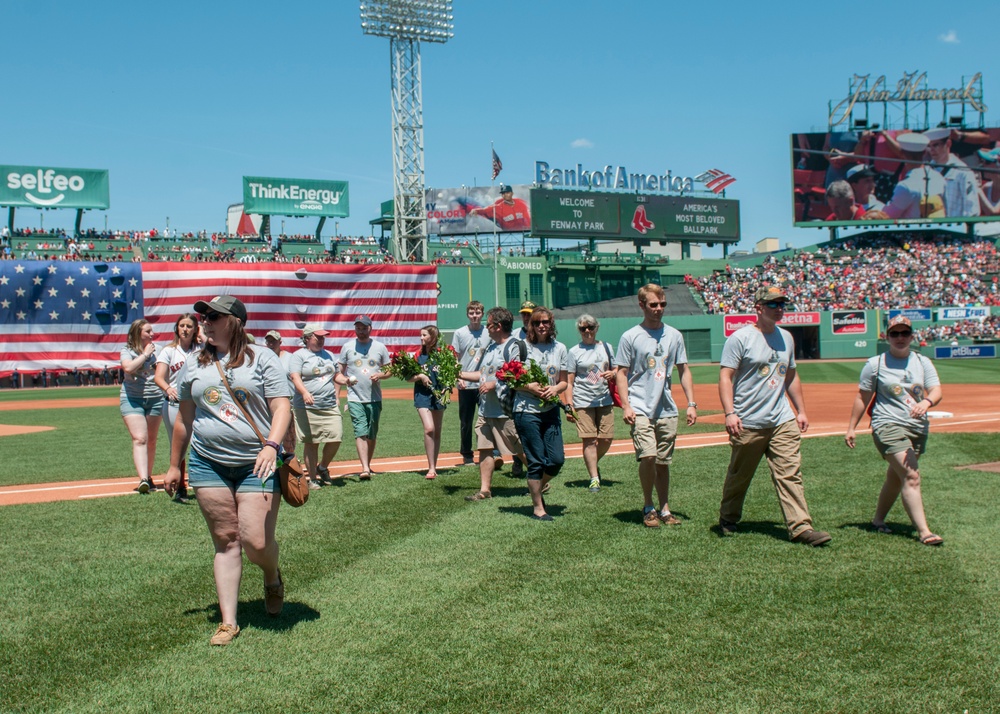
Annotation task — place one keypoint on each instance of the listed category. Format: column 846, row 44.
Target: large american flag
column 64, row 314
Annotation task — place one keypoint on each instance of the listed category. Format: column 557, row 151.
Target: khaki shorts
column 497, row 433
column 596, row 422
column 654, row 439
column 896, row 438
column 319, row 426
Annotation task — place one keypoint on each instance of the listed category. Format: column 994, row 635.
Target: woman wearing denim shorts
column 141, row 400
column 234, row 475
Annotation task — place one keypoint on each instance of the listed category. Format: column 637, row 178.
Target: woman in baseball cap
column 229, row 384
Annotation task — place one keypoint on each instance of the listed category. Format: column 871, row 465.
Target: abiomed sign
column 295, row 197
column 50, row 187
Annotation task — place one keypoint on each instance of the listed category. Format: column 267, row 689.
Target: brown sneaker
column 224, row 635
column 274, row 596
column 727, row 527
column 651, row 519
column 813, row 538
column 479, row 496
column 669, row 519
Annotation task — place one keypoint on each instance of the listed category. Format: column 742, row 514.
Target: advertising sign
column 913, row 314
column 965, row 352
column 849, row 322
column 477, row 209
column 591, row 214
column 963, row 313
column 50, row 187
column 940, row 185
column 731, row 323
column 295, row 197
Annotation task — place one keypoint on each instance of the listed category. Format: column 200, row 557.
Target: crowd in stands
column 882, row 272
column 985, row 329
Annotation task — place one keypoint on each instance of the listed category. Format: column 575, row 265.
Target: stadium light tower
column 406, row 23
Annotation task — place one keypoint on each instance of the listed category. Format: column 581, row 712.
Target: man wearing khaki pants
column 758, row 370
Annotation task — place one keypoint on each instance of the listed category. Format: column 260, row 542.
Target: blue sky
column 180, row 100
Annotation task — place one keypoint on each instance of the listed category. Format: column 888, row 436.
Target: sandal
column 365, row 476
column 431, row 475
column 882, row 528
column 932, row 539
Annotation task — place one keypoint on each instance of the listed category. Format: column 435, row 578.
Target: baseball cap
column 363, row 319
column 771, row 292
column 856, row 173
column 225, row 304
column 913, row 142
column 527, row 306
column 313, row 329
column 900, row 320
column 273, row 334
column 937, row 134
column 504, row 188
column 251, row 340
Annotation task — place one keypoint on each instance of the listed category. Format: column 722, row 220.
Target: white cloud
column 582, row 144
column 951, row 37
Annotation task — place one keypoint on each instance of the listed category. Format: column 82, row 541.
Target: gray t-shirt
column 585, row 363
column 761, row 363
column 364, row 360
column 140, row 385
column 469, row 344
column 316, row 370
column 551, row 357
column 496, row 354
column 901, row 384
column 650, row 357
column 221, row 433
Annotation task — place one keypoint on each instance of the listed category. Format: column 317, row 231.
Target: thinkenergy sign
column 295, row 197
column 51, row 187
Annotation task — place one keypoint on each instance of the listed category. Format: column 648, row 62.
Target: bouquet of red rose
column 403, row 365
column 514, row 375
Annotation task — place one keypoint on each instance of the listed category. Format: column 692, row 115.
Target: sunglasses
column 656, row 304
column 211, row 316
column 774, row 305
column 903, row 333
column 588, row 328
column 541, row 322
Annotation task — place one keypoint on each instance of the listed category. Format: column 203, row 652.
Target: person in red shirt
column 509, row 213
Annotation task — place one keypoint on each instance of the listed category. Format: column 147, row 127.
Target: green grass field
column 403, row 597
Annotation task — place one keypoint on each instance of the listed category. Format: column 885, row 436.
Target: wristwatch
column 693, row 404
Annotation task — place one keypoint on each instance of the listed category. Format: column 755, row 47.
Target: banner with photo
column 478, row 209
column 896, row 177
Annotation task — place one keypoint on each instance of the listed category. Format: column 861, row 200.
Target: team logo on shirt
column 358, row 363
column 918, row 392
column 666, row 361
column 241, row 395
column 764, row 370
column 651, row 362
column 229, row 413
column 782, row 368
column 371, row 363
column 212, row 396
column 896, row 389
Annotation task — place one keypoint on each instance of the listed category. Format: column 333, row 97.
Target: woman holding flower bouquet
column 537, row 407
column 429, row 391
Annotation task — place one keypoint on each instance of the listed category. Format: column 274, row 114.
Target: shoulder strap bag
column 294, row 484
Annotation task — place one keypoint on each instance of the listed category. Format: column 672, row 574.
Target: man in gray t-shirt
column 757, row 372
column 646, row 357
column 468, row 343
column 361, row 361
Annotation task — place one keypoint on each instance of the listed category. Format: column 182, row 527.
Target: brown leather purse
column 294, row 483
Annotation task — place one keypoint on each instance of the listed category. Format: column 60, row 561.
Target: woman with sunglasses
column 168, row 366
column 904, row 386
column 238, row 490
column 589, row 366
column 538, row 422
column 141, row 400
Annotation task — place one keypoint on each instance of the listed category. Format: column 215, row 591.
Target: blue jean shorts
column 203, row 473
column 141, row 406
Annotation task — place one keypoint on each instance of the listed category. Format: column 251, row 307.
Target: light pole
column 406, row 23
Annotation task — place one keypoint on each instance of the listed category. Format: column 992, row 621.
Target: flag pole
column 496, row 239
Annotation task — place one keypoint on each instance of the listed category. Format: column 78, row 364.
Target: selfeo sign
column 51, row 187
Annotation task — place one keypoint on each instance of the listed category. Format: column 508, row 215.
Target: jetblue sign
column 965, row 352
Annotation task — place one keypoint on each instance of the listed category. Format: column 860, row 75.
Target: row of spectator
column 986, row 329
